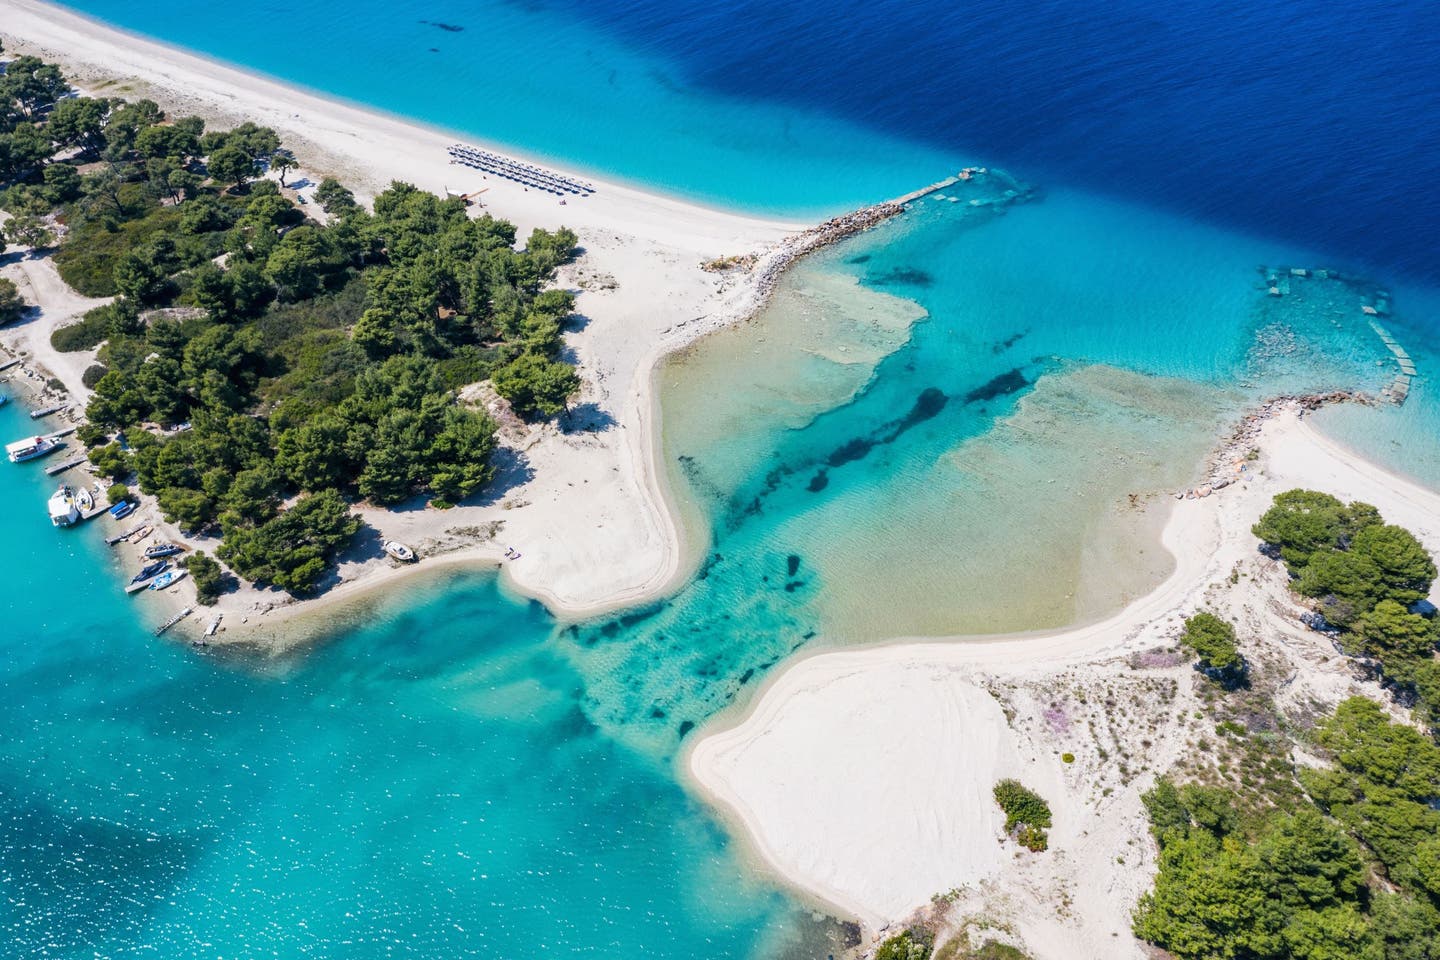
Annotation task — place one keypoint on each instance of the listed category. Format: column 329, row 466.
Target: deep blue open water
column 460, row 775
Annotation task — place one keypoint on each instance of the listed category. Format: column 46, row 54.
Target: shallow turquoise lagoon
column 427, row 785
column 459, row 775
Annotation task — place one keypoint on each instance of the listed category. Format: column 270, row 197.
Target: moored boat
column 63, row 511
column 151, row 570
column 399, row 551
column 166, row 579
column 84, row 501
column 32, row 447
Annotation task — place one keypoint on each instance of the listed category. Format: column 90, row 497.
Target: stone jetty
column 1231, row 460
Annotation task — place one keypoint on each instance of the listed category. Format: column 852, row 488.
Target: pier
column 924, row 192
column 1399, row 388
column 45, row 412
column 62, row 467
column 172, row 621
column 1374, row 303
column 9, row 363
column 525, row 174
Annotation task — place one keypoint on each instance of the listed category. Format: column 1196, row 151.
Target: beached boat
column 162, row 550
column 32, row 447
column 399, row 551
column 151, row 570
column 166, row 579
column 63, row 511
column 122, row 509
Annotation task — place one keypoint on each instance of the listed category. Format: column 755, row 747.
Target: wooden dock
column 62, row 467
column 172, row 621
column 37, row 414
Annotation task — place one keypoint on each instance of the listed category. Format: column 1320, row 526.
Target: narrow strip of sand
column 586, row 509
column 863, row 777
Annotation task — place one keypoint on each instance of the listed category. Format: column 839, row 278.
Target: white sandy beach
column 863, row 776
column 590, row 520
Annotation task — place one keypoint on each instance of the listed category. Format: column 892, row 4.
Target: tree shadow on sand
column 586, row 418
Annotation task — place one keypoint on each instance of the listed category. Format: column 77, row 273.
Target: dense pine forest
column 263, row 364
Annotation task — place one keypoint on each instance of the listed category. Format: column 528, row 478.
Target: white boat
column 399, row 551
column 63, row 511
column 31, row 447
column 84, row 500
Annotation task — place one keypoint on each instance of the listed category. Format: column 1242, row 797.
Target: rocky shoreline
column 1232, row 458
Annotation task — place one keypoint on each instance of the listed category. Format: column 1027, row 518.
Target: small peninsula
column 372, row 603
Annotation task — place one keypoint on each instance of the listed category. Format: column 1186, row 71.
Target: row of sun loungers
column 523, row 173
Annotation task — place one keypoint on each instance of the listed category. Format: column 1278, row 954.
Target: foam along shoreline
column 862, row 777
column 587, row 509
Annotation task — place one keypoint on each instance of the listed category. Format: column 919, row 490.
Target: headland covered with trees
column 263, row 365
column 1338, row 857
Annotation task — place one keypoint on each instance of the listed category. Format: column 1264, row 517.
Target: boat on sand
column 399, row 551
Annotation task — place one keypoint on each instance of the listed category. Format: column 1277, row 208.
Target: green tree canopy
column 1213, row 639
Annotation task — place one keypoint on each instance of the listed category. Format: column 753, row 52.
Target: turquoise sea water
column 427, row 785
column 459, row 775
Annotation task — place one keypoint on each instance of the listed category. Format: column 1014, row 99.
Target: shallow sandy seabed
column 863, row 776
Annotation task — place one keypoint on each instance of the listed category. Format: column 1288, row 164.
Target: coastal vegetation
column 1339, row 856
column 1346, row 867
column 1027, row 815
column 264, row 365
column 12, row 305
column 914, row 943
column 207, row 575
column 1213, row 641
column 1369, row 581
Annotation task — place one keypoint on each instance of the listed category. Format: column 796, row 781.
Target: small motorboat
column 150, row 570
column 159, row 550
column 140, row 533
column 84, row 500
column 166, row 579
column 122, row 509
column 62, row 507
column 399, row 551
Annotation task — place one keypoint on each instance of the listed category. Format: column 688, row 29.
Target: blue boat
column 122, row 509
column 150, row 570
column 166, row 578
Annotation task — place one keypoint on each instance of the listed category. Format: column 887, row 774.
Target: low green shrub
column 1027, row 815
